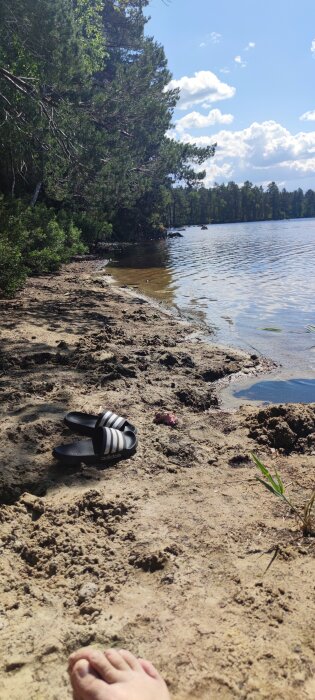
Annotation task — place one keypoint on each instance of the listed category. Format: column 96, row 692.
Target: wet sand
column 164, row 553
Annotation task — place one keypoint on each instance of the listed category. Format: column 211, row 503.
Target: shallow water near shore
column 249, row 285
column 293, row 390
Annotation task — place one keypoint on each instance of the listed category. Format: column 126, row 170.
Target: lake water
column 251, row 284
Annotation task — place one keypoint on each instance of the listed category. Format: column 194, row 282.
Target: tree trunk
column 36, row 193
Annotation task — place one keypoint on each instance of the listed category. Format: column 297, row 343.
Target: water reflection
column 146, row 267
column 145, row 255
column 241, row 279
column 290, row 391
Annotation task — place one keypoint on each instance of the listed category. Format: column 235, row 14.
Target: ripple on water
column 260, row 274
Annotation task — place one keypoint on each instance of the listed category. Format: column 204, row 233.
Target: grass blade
column 277, row 486
column 269, row 486
column 280, row 482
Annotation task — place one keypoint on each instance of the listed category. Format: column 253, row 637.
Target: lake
column 252, row 285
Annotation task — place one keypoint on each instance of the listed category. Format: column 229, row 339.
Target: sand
column 165, row 553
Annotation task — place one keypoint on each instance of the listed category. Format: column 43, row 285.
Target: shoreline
column 200, row 329
column 257, row 313
column 163, row 553
column 270, row 370
column 201, row 332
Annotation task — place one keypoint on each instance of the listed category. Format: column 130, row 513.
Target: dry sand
column 165, row 553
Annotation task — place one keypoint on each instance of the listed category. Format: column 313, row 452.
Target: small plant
column 33, row 241
column 275, row 485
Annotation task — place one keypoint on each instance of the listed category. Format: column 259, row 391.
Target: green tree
column 297, row 203
column 46, row 63
column 309, row 203
column 84, row 112
column 273, row 198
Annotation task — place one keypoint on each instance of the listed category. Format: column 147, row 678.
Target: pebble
column 87, row 592
column 28, row 499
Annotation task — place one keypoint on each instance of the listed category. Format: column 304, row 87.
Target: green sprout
column 275, row 485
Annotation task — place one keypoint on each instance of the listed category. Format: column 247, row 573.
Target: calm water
column 253, row 284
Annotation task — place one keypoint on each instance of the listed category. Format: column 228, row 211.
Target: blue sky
column 246, row 71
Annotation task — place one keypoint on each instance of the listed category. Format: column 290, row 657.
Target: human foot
column 114, row 675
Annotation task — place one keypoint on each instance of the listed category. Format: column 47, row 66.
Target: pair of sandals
column 111, row 438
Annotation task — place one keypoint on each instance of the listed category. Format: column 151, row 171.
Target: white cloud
column 239, row 60
column 196, row 120
column 313, row 47
column 225, row 70
column 262, row 152
column 218, row 173
column 308, row 116
column 250, row 45
column 204, row 87
column 304, row 167
column 213, row 38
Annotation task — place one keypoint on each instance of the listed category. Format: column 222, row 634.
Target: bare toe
column 85, row 684
column 131, row 660
column 100, row 663
column 113, row 674
column 149, row 669
column 77, row 655
column 116, row 660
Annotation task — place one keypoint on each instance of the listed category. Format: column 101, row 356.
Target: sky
column 246, row 73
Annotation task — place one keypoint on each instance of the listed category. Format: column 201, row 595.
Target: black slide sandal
column 106, row 446
column 85, row 423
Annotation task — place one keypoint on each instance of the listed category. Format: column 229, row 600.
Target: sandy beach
column 165, row 553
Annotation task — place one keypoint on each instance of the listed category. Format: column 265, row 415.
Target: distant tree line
column 232, row 203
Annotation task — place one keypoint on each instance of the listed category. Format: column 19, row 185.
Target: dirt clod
column 285, row 427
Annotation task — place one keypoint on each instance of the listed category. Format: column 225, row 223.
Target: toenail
column 82, row 668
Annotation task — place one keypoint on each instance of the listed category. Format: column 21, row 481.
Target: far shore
column 165, row 553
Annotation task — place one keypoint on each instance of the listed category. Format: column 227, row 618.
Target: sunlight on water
column 154, row 282
column 253, row 283
column 269, row 391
